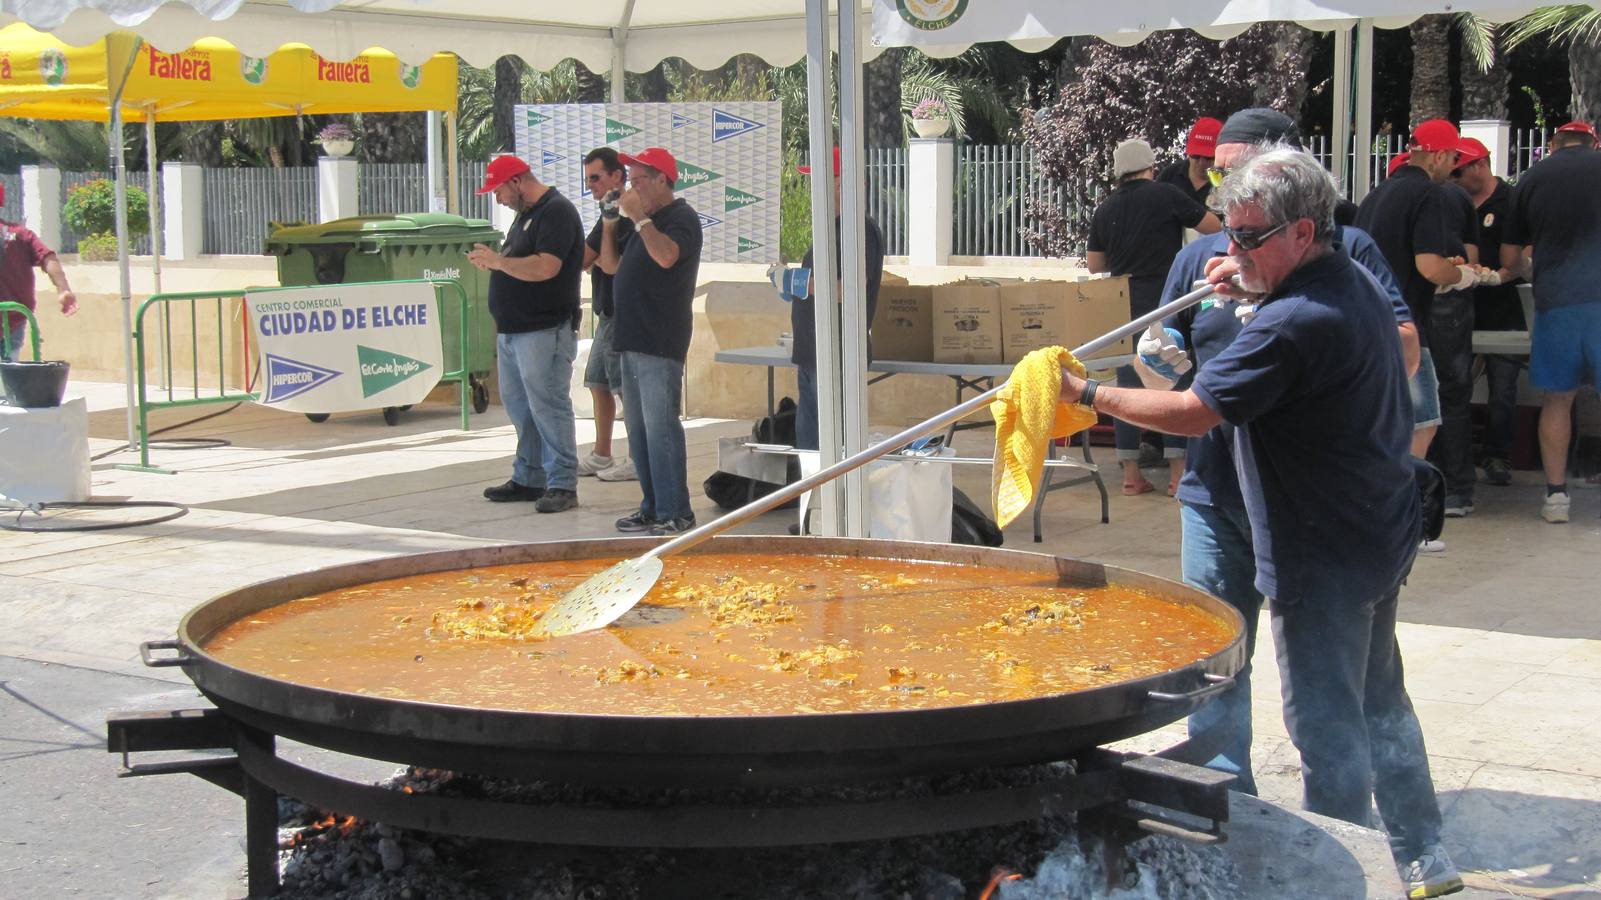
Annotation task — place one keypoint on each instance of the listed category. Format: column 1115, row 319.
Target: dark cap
column 1260, row 124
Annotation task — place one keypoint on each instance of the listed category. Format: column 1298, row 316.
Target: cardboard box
column 889, row 277
column 903, row 322
column 1062, row 313
column 967, row 323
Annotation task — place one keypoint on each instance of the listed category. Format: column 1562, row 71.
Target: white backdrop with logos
column 729, row 155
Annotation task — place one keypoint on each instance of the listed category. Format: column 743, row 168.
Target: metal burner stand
column 1149, row 792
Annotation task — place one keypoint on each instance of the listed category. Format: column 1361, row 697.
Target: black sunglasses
column 592, row 178
column 1252, row 238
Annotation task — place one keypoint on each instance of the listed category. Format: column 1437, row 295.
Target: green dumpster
column 397, row 247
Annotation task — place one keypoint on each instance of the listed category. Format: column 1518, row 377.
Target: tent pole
column 119, row 180
column 452, row 166
column 431, row 117
column 1364, row 110
column 619, row 55
column 1340, row 132
column 153, row 168
column 853, row 263
column 819, row 102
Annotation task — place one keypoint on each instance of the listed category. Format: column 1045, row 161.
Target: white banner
column 340, row 348
column 729, row 158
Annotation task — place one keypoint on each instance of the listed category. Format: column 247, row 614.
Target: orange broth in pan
column 726, row 635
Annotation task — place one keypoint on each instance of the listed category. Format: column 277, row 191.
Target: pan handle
column 1215, row 684
column 148, row 649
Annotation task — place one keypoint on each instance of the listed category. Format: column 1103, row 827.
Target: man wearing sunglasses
column 1217, row 554
column 605, row 178
column 1316, row 389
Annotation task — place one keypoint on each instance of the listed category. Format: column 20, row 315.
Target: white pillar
column 336, row 188
column 435, row 164
column 1495, row 134
column 184, row 227
column 41, row 203
column 501, row 217
column 1364, row 110
column 1340, row 133
column 930, row 191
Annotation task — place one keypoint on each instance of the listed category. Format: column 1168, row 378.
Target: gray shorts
column 602, row 370
column 1425, row 387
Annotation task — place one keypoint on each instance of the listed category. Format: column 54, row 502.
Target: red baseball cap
column 656, row 157
column 1434, row 136
column 1580, row 127
column 502, row 169
column 1203, row 137
column 807, row 170
column 1396, row 162
column 1470, row 151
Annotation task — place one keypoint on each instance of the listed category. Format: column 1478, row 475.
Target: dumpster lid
column 400, row 225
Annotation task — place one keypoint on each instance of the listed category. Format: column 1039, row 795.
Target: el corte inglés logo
column 53, row 66
column 382, row 370
column 931, row 15
column 536, row 118
column 746, row 245
column 410, row 76
column 616, row 131
column 734, row 198
column 690, row 175
column 253, row 69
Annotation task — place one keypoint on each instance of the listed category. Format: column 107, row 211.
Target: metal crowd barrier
column 7, row 307
column 171, row 303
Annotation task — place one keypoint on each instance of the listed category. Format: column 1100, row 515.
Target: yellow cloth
column 1029, row 414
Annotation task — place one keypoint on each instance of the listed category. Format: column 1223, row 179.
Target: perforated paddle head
column 602, row 598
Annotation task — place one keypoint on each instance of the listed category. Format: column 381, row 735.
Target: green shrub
column 91, row 208
column 98, row 247
column 794, row 211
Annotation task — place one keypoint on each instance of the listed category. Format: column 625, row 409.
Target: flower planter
column 337, row 149
column 931, row 128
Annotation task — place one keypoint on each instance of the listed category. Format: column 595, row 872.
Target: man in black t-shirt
column 653, row 292
column 1189, row 173
column 1495, row 307
column 605, row 176
column 533, row 296
column 1136, row 231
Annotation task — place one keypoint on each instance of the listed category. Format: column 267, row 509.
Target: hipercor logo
column 682, row 121
column 547, row 158
column 707, row 221
column 289, row 377
column 726, row 125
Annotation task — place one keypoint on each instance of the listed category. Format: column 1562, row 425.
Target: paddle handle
column 760, row 505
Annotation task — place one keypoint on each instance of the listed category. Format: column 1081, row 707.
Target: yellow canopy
column 44, row 78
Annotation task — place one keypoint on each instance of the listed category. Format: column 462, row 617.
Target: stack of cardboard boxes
column 995, row 321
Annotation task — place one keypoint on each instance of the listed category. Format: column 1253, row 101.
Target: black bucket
column 34, row 384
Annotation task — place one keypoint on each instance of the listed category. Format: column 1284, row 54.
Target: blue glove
column 791, row 284
column 1162, row 351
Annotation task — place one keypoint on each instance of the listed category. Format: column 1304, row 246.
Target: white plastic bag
column 907, row 500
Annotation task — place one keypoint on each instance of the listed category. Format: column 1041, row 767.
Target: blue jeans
column 652, row 397
column 1347, row 711
column 536, row 373
column 1126, row 437
column 1217, row 558
column 806, row 410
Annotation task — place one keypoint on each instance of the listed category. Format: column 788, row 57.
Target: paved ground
column 1502, row 636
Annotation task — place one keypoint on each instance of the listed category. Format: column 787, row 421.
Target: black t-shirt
column 1466, row 227
column 1557, row 209
column 1408, row 214
column 600, row 286
column 1140, row 228
column 655, row 306
column 1495, row 307
column 549, row 226
column 1178, row 175
column 803, row 311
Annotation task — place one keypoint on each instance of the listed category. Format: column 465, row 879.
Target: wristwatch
column 646, row 221
column 1088, row 397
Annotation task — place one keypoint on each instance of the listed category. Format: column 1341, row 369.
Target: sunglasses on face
column 1216, row 175
column 592, row 178
column 1252, row 238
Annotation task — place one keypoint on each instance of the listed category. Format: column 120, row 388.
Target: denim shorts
column 1565, row 342
column 602, row 370
column 1425, row 387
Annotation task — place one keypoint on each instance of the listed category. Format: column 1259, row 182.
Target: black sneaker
column 512, row 492
column 557, row 500
column 673, row 526
column 635, row 521
column 1497, row 472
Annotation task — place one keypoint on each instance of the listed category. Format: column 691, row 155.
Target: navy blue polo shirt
column 1209, row 328
column 655, row 307
column 1316, row 390
column 1556, row 207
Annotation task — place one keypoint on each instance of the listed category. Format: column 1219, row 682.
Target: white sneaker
column 1430, row 875
column 1555, row 509
column 1431, row 547
column 593, row 463
column 620, row 471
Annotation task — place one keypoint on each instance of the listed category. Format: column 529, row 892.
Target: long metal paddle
column 602, row 598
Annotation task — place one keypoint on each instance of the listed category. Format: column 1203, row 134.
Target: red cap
column 807, row 170
column 1203, row 137
column 1470, row 151
column 502, row 169
column 656, row 157
column 1396, row 162
column 1434, row 136
column 1580, row 127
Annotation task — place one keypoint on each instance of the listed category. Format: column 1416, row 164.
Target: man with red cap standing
column 1556, row 210
column 22, row 251
column 533, row 296
column 653, row 293
column 1189, row 174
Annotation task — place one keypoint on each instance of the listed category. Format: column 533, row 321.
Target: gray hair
column 1287, row 185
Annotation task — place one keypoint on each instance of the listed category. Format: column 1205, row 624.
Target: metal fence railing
column 994, row 186
column 241, row 202
column 886, row 195
column 473, row 204
column 11, row 209
column 384, row 188
column 1526, row 147
column 140, row 245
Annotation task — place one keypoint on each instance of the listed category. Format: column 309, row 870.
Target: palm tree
column 509, row 71
column 1431, row 68
column 1485, row 76
column 1578, row 26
